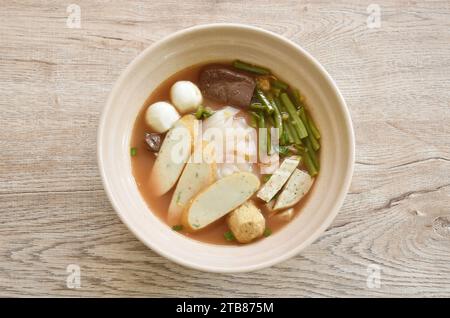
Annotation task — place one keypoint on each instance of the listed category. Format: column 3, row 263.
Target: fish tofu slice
column 173, row 155
column 278, row 178
column 297, row 186
column 195, row 177
column 220, row 198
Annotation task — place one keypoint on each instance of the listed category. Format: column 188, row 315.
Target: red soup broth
column 144, row 159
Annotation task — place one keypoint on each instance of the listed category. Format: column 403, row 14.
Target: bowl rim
column 347, row 122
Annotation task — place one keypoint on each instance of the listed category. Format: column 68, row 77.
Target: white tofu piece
column 173, row 155
column 278, row 178
column 268, row 208
column 285, row 215
column 246, row 222
column 220, row 198
column 161, row 116
column 297, row 186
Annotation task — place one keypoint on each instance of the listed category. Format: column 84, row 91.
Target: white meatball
column 160, row 116
column 185, row 96
column 246, row 222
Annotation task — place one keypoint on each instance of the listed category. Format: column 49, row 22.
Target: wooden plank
column 55, row 80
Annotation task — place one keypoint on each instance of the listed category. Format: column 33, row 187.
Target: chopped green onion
column 251, row 68
column 177, row 227
column 266, row 177
column 203, row 112
column 267, row 232
column 199, row 112
column 229, row 236
column 133, row 151
column 283, row 151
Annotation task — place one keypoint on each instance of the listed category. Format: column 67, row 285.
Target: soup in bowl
column 226, row 148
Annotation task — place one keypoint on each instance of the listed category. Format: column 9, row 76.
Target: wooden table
column 54, row 81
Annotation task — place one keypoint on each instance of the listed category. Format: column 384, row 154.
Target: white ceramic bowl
column 226, row 42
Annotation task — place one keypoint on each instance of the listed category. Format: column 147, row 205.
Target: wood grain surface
column 54, row 81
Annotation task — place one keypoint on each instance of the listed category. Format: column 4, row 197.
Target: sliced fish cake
column 220, row 198
column 278, row 178
column 297, row 186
